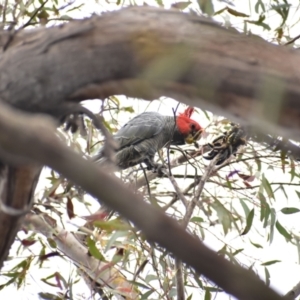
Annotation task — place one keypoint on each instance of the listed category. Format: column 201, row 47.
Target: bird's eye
column 193, row 127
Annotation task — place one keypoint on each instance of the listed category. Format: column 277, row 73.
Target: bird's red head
column 190, row 129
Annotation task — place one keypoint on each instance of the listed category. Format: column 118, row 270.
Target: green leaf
column 196, row 220
column 270, row 262
column 146, row 295
column 289, row 210
column 263, row 204
column 256, row 245
column 206, row 114
column 298, row 250
column 245, row 207
column 207, row 295
column 150, row 277
column 267, row 215
column 283, row 190
column 94, row 250
column 283, row 231
column 181, row 5
column 128, row 109
column 267, row 187
column 257, row 160
column 222, row 215
column 258, row 4
column 206, row 7
column 292, row 169
column 198, row 280
column 139, row 284
column 189, row 297
column 260, row 23
column 220, row 11
column 2, row 286
column 52, row 243
column 47, row 296
column 283, row 161
column 159, row 2
column 267, row 275
column 273, row 219
column 237, row 251
column 249, row 222
column 114, row 237
column 112, row 225
column 236, row 13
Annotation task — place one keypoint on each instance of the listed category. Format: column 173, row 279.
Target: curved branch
column 202, row 64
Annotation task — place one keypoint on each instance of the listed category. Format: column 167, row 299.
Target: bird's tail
column 103, row 162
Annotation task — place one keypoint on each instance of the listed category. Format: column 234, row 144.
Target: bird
column 143, row 136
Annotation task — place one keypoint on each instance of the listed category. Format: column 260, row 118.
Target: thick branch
column 202, row 64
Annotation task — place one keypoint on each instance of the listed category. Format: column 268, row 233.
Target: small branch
column 175, row 163
column 179, row 192
column 147, row 182
column 4, row 8
column 185, row 221
column 179, row 280
column 33, row 16
column 196, row 198
column 292, row 40
column 294, row 292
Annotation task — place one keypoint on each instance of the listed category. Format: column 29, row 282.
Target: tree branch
column 41, row 144
column 103, row 273
column 244, row 77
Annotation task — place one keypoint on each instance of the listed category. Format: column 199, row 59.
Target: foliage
column 247, row 205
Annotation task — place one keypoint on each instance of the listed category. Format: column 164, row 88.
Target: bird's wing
column 141, row 127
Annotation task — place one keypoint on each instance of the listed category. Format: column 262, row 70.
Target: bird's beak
column 190, row 139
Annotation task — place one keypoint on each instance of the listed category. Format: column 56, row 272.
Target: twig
column 179, row 192
column 184, row 192
column 292, row 40
column 147, row 182
column 33, row 16
column 185, row 221
column 175, row 163
column 4, row 13
column 13, row 33
column 195, row 200
column 179, row 280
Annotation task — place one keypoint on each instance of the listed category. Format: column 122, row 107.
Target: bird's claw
column 156, row 168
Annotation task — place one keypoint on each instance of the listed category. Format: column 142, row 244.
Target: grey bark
column 155, row 52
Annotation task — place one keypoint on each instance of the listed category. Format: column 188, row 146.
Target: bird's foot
column 160, row 170
column 155, row 168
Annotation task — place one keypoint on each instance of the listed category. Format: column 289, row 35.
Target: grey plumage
column 143, row 136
